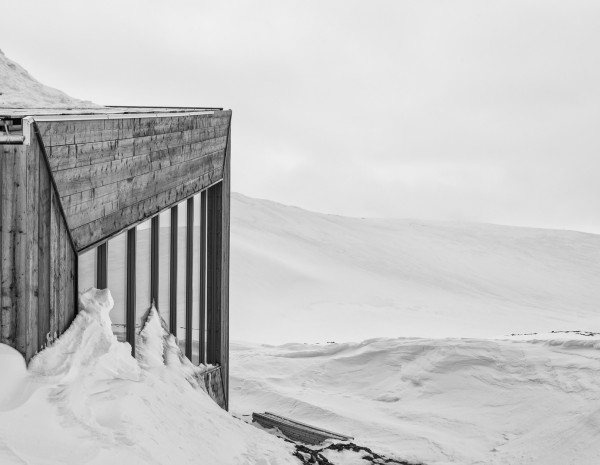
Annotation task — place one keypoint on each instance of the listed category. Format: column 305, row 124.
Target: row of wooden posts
column 209, row 225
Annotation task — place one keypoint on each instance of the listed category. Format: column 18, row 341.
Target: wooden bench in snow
column 295, row 430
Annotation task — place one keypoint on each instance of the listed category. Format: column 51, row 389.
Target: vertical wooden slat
column 2, row 228
column 225, row 237
column 130, row 289
column 189, row 277
column 44, row 257
column 74, row 283
column 102, row 266
column 14, row 203
column 54, row 268
column 62, row 290
column 218, row 224
column 2, row 252
column 214, row 252
column 173, row 274
column 71, row 292
column 202, row 277
column 20, row 266
column 28, row 317
column 154, row 259
column 59, row 259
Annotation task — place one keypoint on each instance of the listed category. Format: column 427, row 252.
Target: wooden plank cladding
column 80, row 131
column 13, row 221
column 114, row 172
column 38, row 271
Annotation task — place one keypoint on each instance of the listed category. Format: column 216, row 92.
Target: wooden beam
column 224, row 273
column 218, row 243
column 173, row 273
column 154, row 259
column 44, row 257
column 27, row 323
column 202, row 277
column 189, row 277
column 130, row 289
column 14, row 237
column 214, row 254
column 102, row 266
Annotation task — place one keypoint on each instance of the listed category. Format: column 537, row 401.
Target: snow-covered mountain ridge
column 18, row 89
column 300, row 276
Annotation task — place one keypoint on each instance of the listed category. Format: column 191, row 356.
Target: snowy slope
column 18, row 89
column 436, row 401
column 299, row 276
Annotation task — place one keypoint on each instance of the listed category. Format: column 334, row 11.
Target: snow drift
column 436, row 401
column 85, row 400
column 18, row 89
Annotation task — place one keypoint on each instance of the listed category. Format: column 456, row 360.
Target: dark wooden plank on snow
column 296, row 430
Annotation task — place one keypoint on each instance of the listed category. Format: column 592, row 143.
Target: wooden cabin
column 133, row 199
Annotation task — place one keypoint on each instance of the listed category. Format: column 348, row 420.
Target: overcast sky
column 452, row 110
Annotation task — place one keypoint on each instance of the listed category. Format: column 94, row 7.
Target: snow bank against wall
column 85, row 400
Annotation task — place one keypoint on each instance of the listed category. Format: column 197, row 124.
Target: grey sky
column 469, row 110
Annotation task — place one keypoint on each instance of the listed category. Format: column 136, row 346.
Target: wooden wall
column 38, row 297
column 84, row 181
column 112, row 173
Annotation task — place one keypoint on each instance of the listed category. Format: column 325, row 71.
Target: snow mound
column 435, row 401
column 18, row 89
column 347, row 279
column 86, row 400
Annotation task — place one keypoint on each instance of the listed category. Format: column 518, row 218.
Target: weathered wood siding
column 112, row 173
column 38, row 262
column 13, row 214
